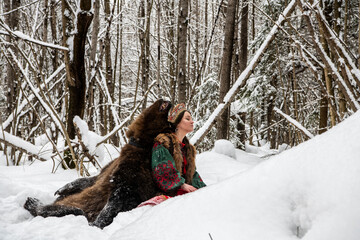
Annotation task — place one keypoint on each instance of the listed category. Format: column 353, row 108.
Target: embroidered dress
column 166, row 175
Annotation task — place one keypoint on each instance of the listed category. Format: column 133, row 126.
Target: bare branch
column 18, row 34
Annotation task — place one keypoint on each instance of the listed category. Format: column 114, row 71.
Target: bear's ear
column 130, row 133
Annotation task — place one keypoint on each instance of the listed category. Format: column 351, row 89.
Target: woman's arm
column 166, row 176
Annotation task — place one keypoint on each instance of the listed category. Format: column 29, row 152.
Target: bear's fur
column 121, row 185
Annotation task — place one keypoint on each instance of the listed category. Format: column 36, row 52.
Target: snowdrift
column 310, row 192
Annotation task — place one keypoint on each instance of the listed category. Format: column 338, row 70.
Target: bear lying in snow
column 121, row 185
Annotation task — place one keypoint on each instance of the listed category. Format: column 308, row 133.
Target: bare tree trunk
column 251, row 128
column 225, row 73
column 328, row 78
column 11, row 20
column 182, row 48
column 45, row 37
column 336, row 24
column 172, row 54
column 144, row 37
column 243, row 54
column 244, row 35
column 109, row 71
column 235, row 72
column 253, row 51
column 206, row 35
column 120, row 39
column 158, row 48
column 270, row 114
column 76, row 64
column 53, row 24
column 197, row 38
column 323, row 110
column 94, row 47
column 241, row 128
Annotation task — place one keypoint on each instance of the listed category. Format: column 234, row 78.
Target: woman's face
column 186, row 124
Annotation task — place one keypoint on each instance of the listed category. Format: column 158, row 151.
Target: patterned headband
column 175, row 112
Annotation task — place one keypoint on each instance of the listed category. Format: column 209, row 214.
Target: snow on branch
column 21, row 106
column 44, row 103
column 294, row 122
column 241, row 81
column 23, row 146
column 18, row 34
column 86, row 143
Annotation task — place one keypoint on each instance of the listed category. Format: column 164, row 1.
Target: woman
column 173, row 157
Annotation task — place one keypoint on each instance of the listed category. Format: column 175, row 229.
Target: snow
column 90, row 139
column 24, row 145
column 310, row 191
column 225, row 147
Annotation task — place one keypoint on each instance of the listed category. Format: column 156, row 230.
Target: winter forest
column 274, row 72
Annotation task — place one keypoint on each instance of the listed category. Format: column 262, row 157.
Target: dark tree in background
column 76, row 63
column 225, row 70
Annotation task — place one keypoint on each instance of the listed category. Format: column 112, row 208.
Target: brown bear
column 121, row 185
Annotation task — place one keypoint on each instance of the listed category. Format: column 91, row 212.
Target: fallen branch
column 22, row 145
column 294, row 123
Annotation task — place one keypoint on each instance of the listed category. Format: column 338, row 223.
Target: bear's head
column 151, row 122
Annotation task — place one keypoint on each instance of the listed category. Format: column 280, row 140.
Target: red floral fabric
column 166, row 175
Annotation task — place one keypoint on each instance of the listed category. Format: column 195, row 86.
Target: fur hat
column 175, row 112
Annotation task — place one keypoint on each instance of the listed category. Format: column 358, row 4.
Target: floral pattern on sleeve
column 163, row 169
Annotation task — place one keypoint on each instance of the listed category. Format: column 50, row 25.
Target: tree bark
column 182, row 48
column 94, row 48
column 336, row 25
column 53, row 24
column 144, row 37
column 11, row 20
column 323, row 110
column 159, row 91
column 120, row 39
column 244, row 35
column 328, row 78
column 243, row 53
column 76, row 64
column 172, row 53
column 109, row 70
column 225, row 73
column 45, row 38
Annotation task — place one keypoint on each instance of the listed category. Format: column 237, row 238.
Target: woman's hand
column 188, row 188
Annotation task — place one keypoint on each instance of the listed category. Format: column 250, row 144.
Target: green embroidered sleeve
column 163, row 169
column 197, row 181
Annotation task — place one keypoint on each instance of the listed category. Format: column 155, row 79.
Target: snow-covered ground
column 311, row 191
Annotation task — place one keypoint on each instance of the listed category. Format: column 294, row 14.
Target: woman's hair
column 177, row 121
